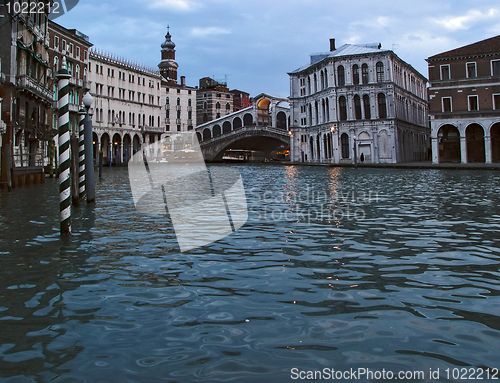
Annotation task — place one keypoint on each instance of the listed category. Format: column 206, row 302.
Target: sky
column 253, row 44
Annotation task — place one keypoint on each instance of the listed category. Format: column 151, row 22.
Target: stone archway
column 237, row 123
column 105, row 147
column 281, row 120
column 449, row 144
column 117, row 145
column 127, row 145
column 217, row 131
column 495, row 142
column 226, row 127
column 475, row 143
column 263, row 115
column 207, row 134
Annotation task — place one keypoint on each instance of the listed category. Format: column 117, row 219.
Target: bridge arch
column 237, row 123
column 281, row 120
column 263, row 115
column 199, row 137
column 207, row 134
column 226, row 127
column 216, row 131
column 248, row 119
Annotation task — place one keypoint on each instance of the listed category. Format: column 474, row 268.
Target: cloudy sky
column 256, row 42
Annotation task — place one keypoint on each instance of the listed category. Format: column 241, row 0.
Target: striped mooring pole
column 63, row 77
column 51, row 157
column 81, row 153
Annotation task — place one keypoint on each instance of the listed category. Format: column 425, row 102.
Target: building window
column 357, row 107
column 63, row 45
column 189, row 102
column 343, row 108
column 364, row 74
column 446, row 104
column 382, row 109
column 178, row 101
column 445, row 72
column 56, row 42
column 344, row 139
column 471, row 70
column 473, row 102
column 495, row 68
column 496, row 101
column 341, row 75
column 167, row 101
column 366, row 105
column 355, row 74
column 380, row 71
column 70, row 49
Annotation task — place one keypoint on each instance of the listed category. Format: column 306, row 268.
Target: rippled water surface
column 338, row 268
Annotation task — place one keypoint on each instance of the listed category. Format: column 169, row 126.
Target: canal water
column 382, row 269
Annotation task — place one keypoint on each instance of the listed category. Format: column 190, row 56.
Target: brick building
column 464, row 103
column 213, row 100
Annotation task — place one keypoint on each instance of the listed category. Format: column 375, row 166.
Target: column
column 463, row 149
column 435, row 150
column 487, row 149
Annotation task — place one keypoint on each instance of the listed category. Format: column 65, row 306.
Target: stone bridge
column 262, row 127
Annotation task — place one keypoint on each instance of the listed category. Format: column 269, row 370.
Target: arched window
column 343, row 108
column 380, row 71
column 344, row 140
column 315, row 83
column 382, row 109
column 309, row 85
column 341, row 75
column 355, row 74
column 217, row 106
column 205, row 105
column 326, row 79
column 167, row 101
column 366, row 106
column 189, row 102
column 228, row 107
column 178, row 101
column 322, row 77
column 364, row 74
column 357, row 107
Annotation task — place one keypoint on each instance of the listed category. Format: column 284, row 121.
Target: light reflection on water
column 412, row 286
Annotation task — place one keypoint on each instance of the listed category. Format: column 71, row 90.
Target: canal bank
column 407, row 165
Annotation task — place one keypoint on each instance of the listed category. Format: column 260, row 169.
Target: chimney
column 183, row 80
column 332, row 45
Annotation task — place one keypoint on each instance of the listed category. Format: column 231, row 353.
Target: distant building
column 213, row 100
column 241, row 100
column 179, row 105
column 24, row 53
column 358, row 101
column 464, row 103
column 127, row 107
column 134, row 105
column 74, row 46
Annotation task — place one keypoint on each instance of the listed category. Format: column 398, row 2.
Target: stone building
column 358, row 102
column 213, row 101
column 179, row 105
column 74, row 46
column 464, row 103
column 24, row 53
column 127, row 107
column 241, row 100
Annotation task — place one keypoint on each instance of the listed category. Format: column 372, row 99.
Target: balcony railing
column 152, row 129
column 33, row 86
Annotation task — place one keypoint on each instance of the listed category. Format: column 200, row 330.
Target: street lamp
column 89, row 149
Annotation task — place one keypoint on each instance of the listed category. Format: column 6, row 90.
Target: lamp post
column 89, row 150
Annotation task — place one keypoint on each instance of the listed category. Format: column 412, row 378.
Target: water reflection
column 412, row 286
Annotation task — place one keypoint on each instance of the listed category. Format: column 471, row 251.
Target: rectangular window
column 446, row 104
column 496, row 101
column 63, row 45
column 473, row 103
column 445, row 72
column 495, row 67
column 70, row 49
column 78, row 52
column 56, row 42
column 471, row 70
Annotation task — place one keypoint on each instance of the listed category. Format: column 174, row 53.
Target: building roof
column 491, row 45
column 344, row 50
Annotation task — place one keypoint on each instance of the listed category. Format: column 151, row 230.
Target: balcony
column 31, row 85
column 152, row 129
column 178, row 107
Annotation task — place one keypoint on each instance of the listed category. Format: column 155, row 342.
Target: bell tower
column 168, row 66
